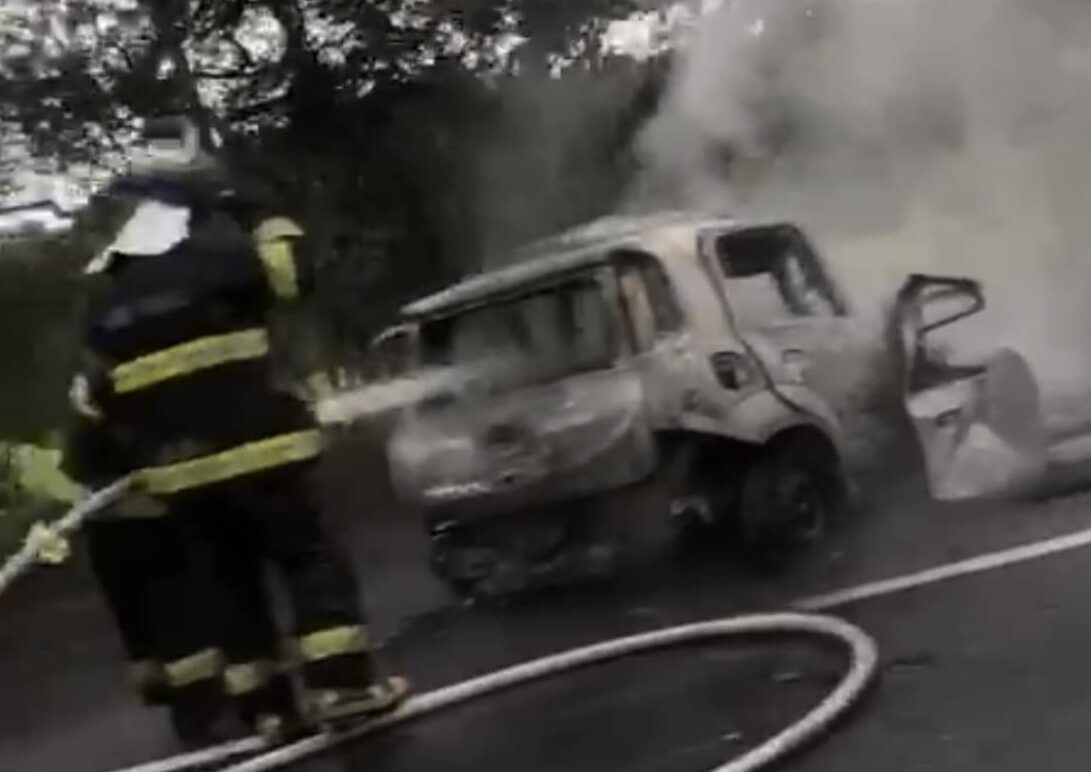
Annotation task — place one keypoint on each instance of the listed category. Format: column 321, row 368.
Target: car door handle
column 731, row 369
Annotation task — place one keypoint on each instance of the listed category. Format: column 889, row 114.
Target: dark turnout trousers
column 250, row 524
column 137, row 562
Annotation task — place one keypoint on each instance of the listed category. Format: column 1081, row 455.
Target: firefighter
column 176, row 392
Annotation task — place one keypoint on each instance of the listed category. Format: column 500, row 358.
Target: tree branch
column 247, row 59
column 256, row 108
column 226, row 74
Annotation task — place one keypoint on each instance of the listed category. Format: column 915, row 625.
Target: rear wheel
column 789, row 496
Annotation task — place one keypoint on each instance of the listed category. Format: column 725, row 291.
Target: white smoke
column 949, row 136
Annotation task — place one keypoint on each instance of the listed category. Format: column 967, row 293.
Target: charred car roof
column 571, row 251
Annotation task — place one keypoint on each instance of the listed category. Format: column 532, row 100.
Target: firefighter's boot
column 200, row 716
column 334, row 706
column 346, row 688
column 272, row 711
column 150, row 681
column 265, row 700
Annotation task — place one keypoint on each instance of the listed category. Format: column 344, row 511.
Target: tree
column 418, row 140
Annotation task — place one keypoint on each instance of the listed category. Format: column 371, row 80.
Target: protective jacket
column 175, row 384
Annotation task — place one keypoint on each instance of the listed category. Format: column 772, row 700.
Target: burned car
column 706, row 363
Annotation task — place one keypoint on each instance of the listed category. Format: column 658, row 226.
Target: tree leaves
column 417, row 139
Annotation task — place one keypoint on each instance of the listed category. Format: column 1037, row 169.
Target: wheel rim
column 801, row 506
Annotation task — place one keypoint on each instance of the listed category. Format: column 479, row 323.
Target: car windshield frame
column 520, row 360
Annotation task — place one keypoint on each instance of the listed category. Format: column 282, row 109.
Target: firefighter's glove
column 315, row 391
column 139, row 505
column 49, row 546
column 315, row 388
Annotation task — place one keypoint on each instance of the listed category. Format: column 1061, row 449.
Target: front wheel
column 789, row 496
column 497, row 560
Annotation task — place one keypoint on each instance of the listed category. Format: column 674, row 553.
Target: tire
column 465, row 567
column 790, row 495
column 713, row 478
column 496, row 561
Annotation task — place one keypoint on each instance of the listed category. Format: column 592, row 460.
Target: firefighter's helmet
column 147, row 210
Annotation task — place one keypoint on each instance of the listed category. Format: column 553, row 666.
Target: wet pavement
column 984, row 672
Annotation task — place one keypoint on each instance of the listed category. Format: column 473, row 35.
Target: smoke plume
column 949, row 136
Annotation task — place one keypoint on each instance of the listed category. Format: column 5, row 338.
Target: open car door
column 979, row 424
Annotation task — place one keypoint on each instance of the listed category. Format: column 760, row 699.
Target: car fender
column 760, row 417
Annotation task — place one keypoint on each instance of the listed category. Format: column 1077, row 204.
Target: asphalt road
column 982, row 673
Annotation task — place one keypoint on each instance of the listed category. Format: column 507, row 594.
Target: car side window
column 770, row 276
column 668, row 314
column 648, row 298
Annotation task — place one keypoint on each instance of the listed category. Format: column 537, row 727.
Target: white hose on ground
column 27, row 557
column 204, row 759
column 862, row 651
column 863, row 665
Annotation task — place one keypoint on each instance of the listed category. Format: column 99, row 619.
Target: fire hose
column 41, row 537
column 863, row 659
column 861, row 649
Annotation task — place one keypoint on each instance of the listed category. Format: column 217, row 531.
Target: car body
column 678, row 347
